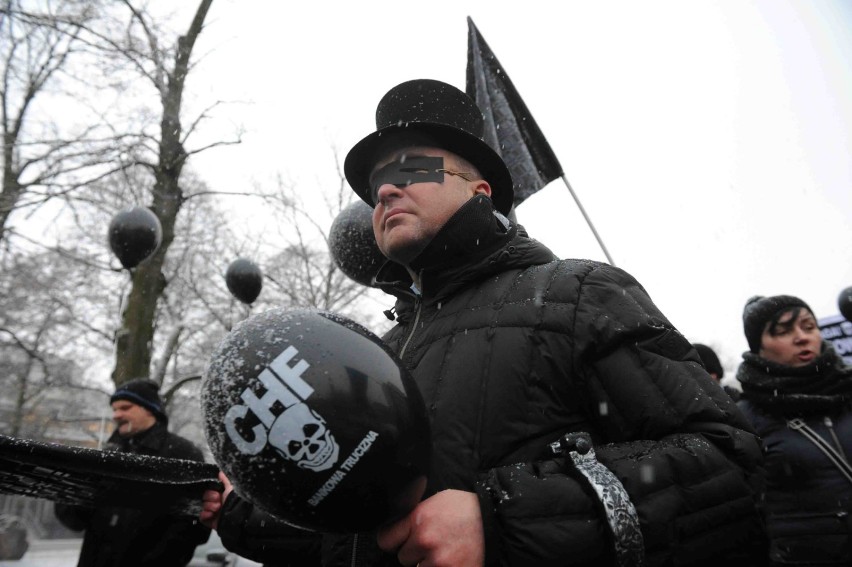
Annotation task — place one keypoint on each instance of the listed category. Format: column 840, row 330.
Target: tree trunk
column 12, row 189
column 135, row 339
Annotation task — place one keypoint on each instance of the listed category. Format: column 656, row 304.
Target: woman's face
column 794, row 340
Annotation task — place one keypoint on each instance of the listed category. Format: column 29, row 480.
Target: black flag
column 509, row 127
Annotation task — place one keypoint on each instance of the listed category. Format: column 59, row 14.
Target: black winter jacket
column 808, row 500
column 251, row 533
column 515, row 349
column 512, row 349
column 138, row 538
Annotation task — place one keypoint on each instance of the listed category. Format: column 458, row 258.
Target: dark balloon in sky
column 352, row 244
column 316, row 421
column 844, row 303
column 134, row 234
column 244, row 280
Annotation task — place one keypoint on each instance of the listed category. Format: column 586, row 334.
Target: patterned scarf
column 824, row 385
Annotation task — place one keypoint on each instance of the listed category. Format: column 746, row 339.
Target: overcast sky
column 709, row 141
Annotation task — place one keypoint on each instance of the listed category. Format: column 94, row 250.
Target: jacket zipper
column 418, row 302
column 830, row 425
column 838, row 459
column 419, row 308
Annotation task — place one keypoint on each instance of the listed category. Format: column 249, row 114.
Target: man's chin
column 402, row 250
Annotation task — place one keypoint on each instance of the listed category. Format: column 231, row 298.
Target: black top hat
column 448, row 117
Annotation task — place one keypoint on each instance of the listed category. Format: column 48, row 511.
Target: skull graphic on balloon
column 316, row 421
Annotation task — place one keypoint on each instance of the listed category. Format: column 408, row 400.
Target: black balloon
column 244, row 280
column 844, row 303
column 352, row 244
column 315, row 421
column 134, row 234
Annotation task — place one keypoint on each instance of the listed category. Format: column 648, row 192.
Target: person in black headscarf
column 797, row 392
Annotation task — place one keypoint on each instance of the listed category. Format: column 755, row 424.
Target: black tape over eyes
column 405, row 171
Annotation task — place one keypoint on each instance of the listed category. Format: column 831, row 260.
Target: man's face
column 407, row 217
column 131, row 418
column 795, row 340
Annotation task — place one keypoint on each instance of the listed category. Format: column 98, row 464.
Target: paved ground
column 48, row 553
column 64, row 553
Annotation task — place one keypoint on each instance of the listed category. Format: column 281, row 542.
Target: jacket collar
column 150, row 440
column 475, row 242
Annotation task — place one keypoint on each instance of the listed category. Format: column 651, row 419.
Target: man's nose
column 387, row 190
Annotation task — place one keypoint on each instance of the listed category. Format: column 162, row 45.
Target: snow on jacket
column 513, row 349
column 138, row 538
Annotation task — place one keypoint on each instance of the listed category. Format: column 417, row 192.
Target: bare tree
column 46, row 159
column 133, row 353
column 303, row 273
column 36, row 334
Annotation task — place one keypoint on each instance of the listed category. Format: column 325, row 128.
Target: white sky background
column 710, row 142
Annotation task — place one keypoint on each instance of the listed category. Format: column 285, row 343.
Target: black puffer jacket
column 512, row 349
column 138, row 538
column 808, row 499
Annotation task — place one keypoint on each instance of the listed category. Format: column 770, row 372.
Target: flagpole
column 509, row 125
column 588, row 220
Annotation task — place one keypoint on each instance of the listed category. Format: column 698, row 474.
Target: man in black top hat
column 571, row 423
column 127, row 537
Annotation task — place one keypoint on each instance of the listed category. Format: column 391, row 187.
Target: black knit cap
column 144, row 393
column 444, row 114
column 759, row 310
column 710, row 360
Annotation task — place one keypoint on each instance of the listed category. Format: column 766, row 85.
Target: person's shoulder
column 576, row 266
column 181, row 448
column 592, row 271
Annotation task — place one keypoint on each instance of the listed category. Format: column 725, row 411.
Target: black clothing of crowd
column 513, row 349
column 804, row 418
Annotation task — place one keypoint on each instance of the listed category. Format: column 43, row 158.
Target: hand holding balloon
column 316, row 422
column 444, row 529
column 212, row 502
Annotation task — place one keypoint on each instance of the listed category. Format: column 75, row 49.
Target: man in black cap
column 128, row 537
column 714, row 368
column 571, row 423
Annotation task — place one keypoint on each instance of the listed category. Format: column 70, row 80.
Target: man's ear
column 482, row 188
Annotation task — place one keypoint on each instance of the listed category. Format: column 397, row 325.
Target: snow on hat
column 144, row 393
column 759, row 310
column 444, row 114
